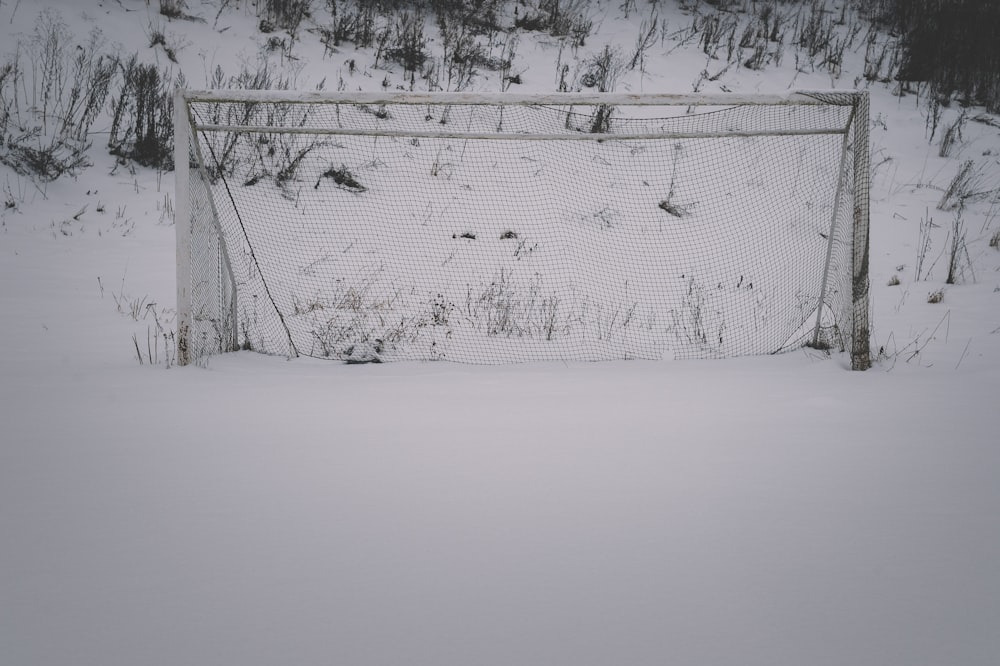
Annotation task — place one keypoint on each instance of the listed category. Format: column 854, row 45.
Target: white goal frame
column 857, row 178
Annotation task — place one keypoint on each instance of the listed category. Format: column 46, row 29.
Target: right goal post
column 495, row 228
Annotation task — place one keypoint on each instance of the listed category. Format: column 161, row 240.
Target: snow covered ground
column 775, row 510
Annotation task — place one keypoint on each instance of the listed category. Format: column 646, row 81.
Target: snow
column 777, row 510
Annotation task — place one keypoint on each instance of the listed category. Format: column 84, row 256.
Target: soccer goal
column 496, row 228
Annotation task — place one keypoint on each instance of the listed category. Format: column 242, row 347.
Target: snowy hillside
column 776, row 509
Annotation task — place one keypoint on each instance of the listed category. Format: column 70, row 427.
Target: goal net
column 502, row 228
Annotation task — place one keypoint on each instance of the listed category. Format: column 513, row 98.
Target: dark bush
column 559, row 18
column 284, row 14
column 480, row 16
column 142, row 126
column 350, row 24
column 953, row 45
column 343, row 178
column 408, row 42
column 172, row 8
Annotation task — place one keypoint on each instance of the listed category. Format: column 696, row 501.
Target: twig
column 964, row 351
column 947, row 315
column 138, row 353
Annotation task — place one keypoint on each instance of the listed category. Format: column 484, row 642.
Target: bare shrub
column 158, row 37
column 349, row 23
column 250, row 158
column 559, row 18
column 461, row 52
column 46, row 160
column 971, row 183
column 142, row 122
column 644, row 41
column 284, row 14
column 48, row 108
column 814, row 29
column 923, row 246
column 668, row 204
column 959, row 260
column 882, row 56
column 223, row 150
column 343, row 178
column 717, row 30
column 506, row 62
column 466, row 51
column 408, row 41
column 510, row 308
column 952, row 135
column 764, row 36
column 602, row 72
column 824, row 37
column 478, row 16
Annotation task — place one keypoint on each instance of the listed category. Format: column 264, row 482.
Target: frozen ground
column 775, row 510
column 754, row 512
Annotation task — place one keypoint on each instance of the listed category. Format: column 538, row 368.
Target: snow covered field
column 776, row 510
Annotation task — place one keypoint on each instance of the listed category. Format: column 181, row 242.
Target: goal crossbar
column 511, row 136
column 798, row 98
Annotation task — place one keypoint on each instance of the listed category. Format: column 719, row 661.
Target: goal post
column 493, row 228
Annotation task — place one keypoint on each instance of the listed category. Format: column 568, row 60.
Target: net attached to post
column 401, row 228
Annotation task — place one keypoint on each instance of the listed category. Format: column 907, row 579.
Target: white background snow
column 777, row 510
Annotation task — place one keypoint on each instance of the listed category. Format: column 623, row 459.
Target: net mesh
column 492, row 234
column 212, row 287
